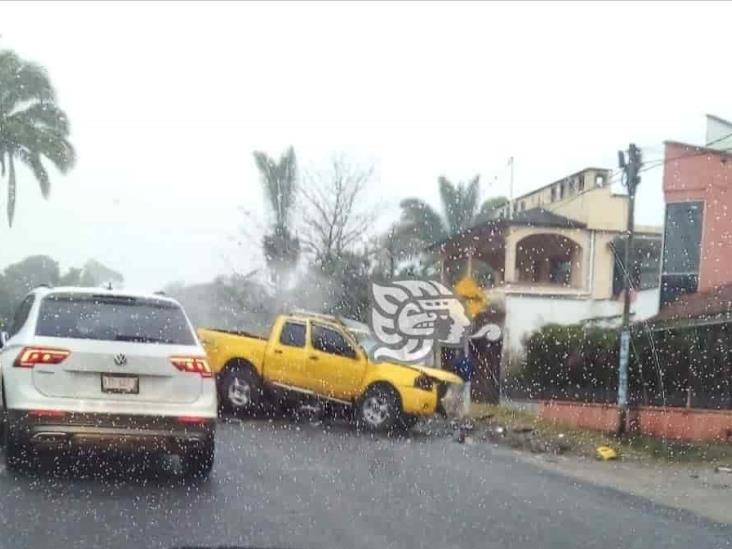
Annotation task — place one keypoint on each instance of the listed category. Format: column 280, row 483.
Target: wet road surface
column 286, row 484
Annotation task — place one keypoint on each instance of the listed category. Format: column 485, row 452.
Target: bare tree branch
column 335, row 219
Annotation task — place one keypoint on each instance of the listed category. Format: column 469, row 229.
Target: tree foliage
column 679, row 367
column 32, row 126
column 279, row 181
column 19, row 278
column 422, row 225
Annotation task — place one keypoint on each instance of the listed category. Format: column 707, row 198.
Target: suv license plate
column 120, row 384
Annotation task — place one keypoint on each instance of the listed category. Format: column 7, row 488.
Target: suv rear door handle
column 313, row 357
column 278, row 351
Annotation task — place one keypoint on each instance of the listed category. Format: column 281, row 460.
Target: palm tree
column 460, row 209
column 32, row 126
column 279, row 180
column 421, row 224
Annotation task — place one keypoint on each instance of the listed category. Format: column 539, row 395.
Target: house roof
column 536, row 217
column 694, row 309
column 543, row 218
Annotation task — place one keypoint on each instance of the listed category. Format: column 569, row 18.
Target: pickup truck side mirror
column 3, row 339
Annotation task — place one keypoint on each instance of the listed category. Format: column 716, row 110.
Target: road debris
column 605, row 453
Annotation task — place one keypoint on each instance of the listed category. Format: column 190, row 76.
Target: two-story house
column 554, row 255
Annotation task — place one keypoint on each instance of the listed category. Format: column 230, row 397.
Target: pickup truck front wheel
column 240, row 390
column 379, row 409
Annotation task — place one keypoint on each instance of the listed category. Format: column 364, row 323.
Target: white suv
column 106, row 369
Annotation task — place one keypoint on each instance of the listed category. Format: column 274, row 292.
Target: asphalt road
column 284, row 484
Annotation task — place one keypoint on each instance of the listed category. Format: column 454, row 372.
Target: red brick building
column 697, row 186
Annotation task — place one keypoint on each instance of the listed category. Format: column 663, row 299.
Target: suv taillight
column 32, row 356
column 192, row 364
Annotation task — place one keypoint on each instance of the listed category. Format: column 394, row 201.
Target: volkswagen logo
column 120, row 359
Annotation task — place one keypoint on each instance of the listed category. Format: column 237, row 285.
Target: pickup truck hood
column 436, row 373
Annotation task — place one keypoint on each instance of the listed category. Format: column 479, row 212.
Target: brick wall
column 674, row 423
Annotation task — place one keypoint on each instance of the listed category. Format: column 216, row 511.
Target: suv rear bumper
column 110, row 432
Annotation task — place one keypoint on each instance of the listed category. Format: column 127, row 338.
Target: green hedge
column 579, row 362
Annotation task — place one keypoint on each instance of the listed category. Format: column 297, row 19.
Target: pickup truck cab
column 316, row 356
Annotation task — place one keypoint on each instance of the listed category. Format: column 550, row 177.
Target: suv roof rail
column 42, row 286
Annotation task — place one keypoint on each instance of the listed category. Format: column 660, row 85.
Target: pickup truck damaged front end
column 430, row 391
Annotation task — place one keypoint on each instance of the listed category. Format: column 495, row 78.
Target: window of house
column 560, row 270
column 645, row 266
column 682, row 244
column 600, row 180
column 581, row 184
column 523, row 205
column 554, row 194
column 561, row 190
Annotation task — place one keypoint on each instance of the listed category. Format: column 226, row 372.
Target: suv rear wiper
column 139, row 339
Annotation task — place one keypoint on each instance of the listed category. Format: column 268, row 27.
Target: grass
column 584, row 442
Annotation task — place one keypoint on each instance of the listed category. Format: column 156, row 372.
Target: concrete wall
column 596, row 206
column 599, row 209
column 699, row 176
column 526, row 313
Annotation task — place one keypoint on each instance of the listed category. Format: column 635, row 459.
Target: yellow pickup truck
column 314, row 356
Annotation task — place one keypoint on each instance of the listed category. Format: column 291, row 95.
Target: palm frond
column 33, row 161
column 11, row 190
column 42, row 115
column 451, row 204
column 22, row 81
column 279, row 180
column 420, row 221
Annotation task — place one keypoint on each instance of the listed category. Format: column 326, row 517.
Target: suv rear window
column 113, row 318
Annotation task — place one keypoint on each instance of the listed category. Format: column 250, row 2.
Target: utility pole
column 510, row 191
column 631, row 168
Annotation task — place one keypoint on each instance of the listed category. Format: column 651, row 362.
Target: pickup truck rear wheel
column 379, row 409
column 241, row 390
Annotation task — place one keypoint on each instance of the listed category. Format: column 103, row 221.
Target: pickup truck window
column 293, row 334
column 331, row 341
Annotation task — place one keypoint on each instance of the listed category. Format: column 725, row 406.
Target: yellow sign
column 472, row 294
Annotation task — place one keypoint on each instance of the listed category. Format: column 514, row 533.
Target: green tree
column 490, row 207
column 279, row 180
column 32, row 126
column 423, row 225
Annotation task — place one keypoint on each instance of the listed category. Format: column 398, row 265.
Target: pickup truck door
column 333, row 364
column 285, row 355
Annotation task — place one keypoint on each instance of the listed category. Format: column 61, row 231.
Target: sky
column 167, row 102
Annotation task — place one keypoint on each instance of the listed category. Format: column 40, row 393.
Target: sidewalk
column 696, row 488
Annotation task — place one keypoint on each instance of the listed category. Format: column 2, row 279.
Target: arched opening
column 549, row 259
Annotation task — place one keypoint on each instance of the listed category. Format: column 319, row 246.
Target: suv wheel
column 198, row 462
column 240, row 390
column 379, row 409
